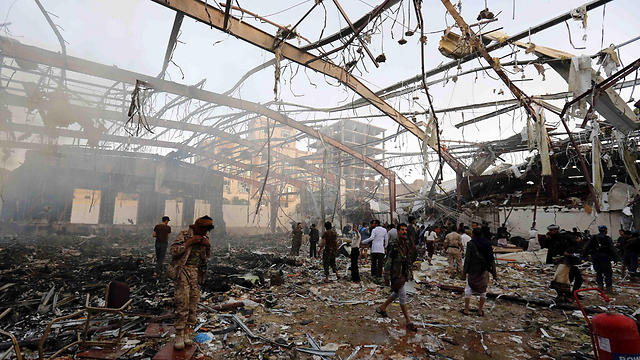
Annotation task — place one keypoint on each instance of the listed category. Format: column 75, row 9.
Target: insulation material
column 530, row 137
column 454, row 46
column 629, row 158
column 580, row 14
column 608, row 58
column 620, row 195
column 580, row 79
column 430, row 134
column 542, row 139
column 597, row 172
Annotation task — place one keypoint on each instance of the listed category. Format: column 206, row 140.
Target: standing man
column 296, row 239
column 630, row 248
column 161, row 233
column 392, row 234
column 412, row 231
column 329, row 243
column 465, row 237
column 430, row 238
column 554, row 242
column 190, row 252
column 534, row 243
column 378, row 241
column 314, row 237
column 486, row 230
column 355, row 253
column 602, row 252
column 478, row 264
column 454, row 249
column 397, row 271
column 364, row 249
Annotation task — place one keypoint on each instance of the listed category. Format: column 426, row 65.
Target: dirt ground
column 339, row 316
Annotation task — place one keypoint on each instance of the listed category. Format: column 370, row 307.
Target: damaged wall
column 118, row 189
column 519, row 222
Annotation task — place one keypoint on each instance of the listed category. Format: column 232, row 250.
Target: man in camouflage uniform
column 189, row 253
column 397, row 271
column 329, row 243
column 454, row 250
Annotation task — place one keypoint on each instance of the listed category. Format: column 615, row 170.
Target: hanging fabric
column 597, row 171
column 580, row 77
column 542, row 139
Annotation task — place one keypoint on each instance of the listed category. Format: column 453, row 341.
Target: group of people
column 394, row 249
column 569, row 249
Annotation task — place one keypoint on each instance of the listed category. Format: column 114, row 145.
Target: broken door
column 201, row 208
column 85, row 208
column 173, row 209
column 125, row 211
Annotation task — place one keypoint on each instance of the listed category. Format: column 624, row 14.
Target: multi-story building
column 359, row 177
column 241, row 198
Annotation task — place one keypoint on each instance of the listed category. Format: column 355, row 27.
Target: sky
column 132, row 34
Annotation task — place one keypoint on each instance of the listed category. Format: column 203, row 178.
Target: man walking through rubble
column 161, row 233
column 190, row 252
column 329, row 244
column 454, row 249
column 378, row 241
column 355, row 252
column 478, row 264
column 430, row 239
column 314, row 237
column 296, row 240
column 397, row 271
column 602, row 252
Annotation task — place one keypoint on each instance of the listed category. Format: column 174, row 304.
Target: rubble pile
column 258, row 304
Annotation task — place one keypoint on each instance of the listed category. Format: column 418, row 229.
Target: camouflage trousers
column 187, row 292
column 455, row 263
column 329, row 261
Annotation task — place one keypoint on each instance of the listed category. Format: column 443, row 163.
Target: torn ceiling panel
column 609, row 104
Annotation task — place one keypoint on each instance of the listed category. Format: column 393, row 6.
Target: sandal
column 382, row 313
column 411, row 327
column 464, row 312
column 480, row 312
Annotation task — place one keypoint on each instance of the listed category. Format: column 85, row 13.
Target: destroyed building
column 117, row 114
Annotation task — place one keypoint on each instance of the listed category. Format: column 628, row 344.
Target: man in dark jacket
column 478, row 264
column 556, row 242
column 314, row 237
column 397, row 271
column 602, row 252
column 629, row 247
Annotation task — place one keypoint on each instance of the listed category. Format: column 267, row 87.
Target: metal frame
column 14, row 49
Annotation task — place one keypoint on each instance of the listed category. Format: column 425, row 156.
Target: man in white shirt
column 534, row 244
column 431, row 237
column 466, row 236
column 378, row 241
